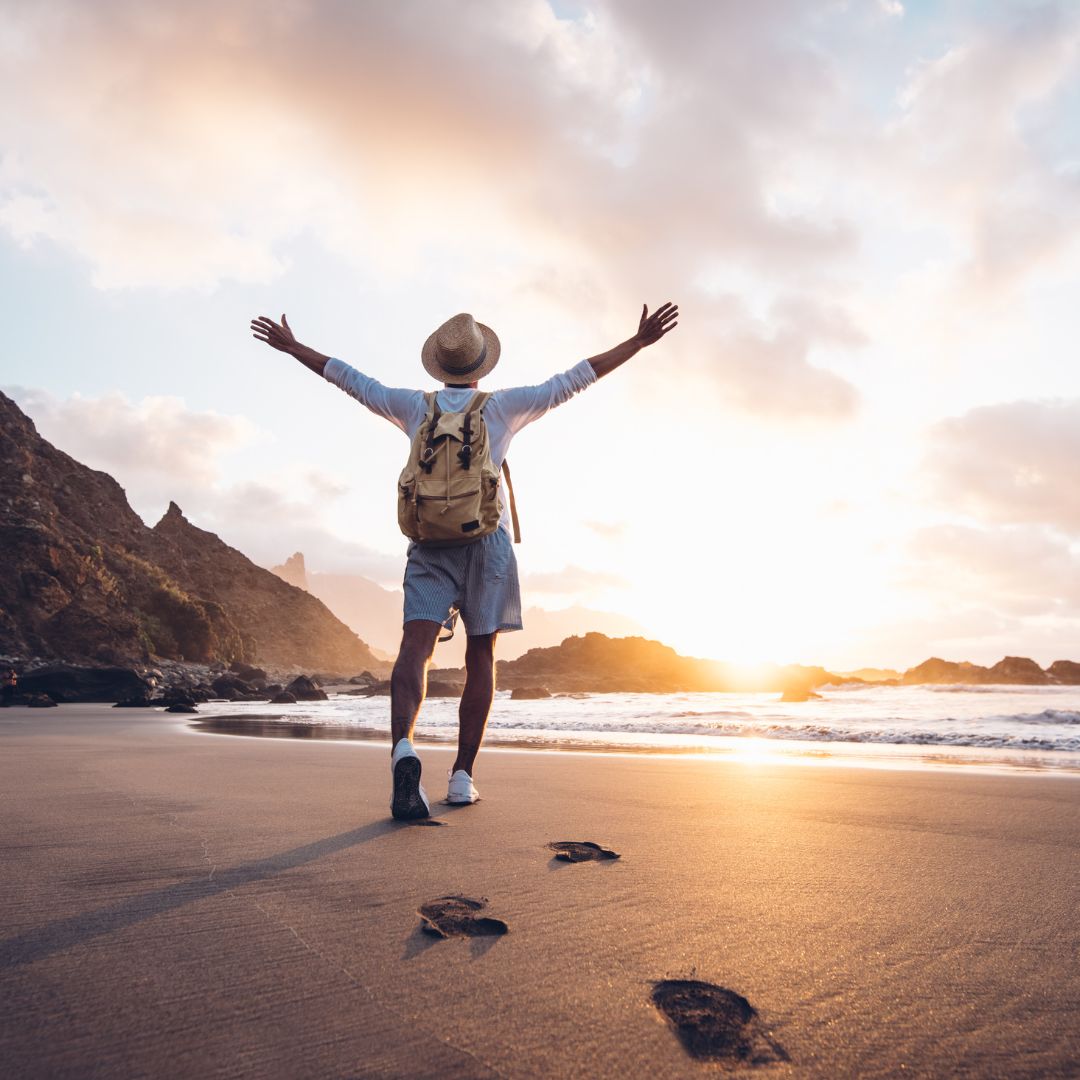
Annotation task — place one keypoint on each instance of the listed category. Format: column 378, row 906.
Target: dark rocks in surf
column 304, row 689
column 799, row 693
column 529, row 693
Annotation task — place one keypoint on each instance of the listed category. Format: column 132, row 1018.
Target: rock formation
column 596, row 663
column 85, row 580
column 293, row 570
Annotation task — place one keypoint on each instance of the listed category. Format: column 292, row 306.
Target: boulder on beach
column 137, row 701
column 180, row 707
column 304, row 689
column 284, row 698
column 38, row 701
column 529, row 693
column 168, row 698
column 67, row 683
column 228, row 684
column 248, row 672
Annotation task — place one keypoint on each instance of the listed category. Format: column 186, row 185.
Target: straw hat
column 461, row 350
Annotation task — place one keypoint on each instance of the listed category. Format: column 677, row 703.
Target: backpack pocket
column 453, row 517
column 408, row 518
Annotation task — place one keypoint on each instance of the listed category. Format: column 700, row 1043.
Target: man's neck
column 461, row 385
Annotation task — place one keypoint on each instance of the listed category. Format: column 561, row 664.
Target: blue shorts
column 479, row 580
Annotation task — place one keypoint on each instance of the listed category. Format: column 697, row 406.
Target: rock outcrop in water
column 1011, row 670
column 85, row 580
column 595, row 663
column 1065, row 671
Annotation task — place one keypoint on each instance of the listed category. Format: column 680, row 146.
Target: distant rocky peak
column 293, row 570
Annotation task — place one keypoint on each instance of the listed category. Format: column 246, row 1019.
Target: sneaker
column 409, row 800
column 461, row 790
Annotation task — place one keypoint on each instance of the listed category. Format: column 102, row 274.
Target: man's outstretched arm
column 651, row 328
column 281, row 338
column 403, row 408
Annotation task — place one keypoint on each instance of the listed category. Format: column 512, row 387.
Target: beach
column 178, row 903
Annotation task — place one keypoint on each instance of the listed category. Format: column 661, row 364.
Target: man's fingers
column 284, row 321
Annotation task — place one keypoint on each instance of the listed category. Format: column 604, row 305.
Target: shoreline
column 733, row 748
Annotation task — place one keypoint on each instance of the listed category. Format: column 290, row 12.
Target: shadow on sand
column 66, row 933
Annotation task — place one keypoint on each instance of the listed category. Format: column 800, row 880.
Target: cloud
column 1019, row 571
column 573, row 580
column 1011, row 463
column 144, row 441
column 762, row 365
column 608, row 530
column 974, row 142
column 190, row 144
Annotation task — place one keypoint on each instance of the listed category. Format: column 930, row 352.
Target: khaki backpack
column 448, row 492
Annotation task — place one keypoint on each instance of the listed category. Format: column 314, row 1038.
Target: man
column 479, row 579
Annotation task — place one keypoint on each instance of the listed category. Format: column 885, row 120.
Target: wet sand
column 187, row 904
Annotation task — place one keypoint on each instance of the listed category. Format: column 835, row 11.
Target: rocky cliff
column 83, row 578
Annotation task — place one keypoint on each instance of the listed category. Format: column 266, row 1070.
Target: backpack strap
column 427, row 454
column 513, row 501
column 476, row 405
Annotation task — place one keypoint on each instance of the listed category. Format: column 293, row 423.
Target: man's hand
column 282, row 338
column 277, row 337
column 651, row 328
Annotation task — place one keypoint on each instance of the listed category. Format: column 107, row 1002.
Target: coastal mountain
column 84, row 579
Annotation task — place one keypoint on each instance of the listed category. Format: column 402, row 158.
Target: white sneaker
column 461, row 790
column 409, row 800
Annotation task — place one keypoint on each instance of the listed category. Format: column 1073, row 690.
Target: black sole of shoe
column 407, row 804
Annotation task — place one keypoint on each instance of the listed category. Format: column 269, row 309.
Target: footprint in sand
column 455, row 916
column 580, row 851
column 715, row 1024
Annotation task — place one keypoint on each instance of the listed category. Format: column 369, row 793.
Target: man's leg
column 475, row 699
column 408, row 683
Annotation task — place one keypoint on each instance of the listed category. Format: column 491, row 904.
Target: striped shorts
column 479, row 580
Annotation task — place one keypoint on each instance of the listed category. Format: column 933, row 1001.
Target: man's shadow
column 64, row 933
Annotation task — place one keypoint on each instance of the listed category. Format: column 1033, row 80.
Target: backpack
column 448, row 492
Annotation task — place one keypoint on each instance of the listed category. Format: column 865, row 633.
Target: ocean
column 1008, row 727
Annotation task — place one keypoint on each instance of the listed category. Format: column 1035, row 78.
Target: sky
column 859, row 447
